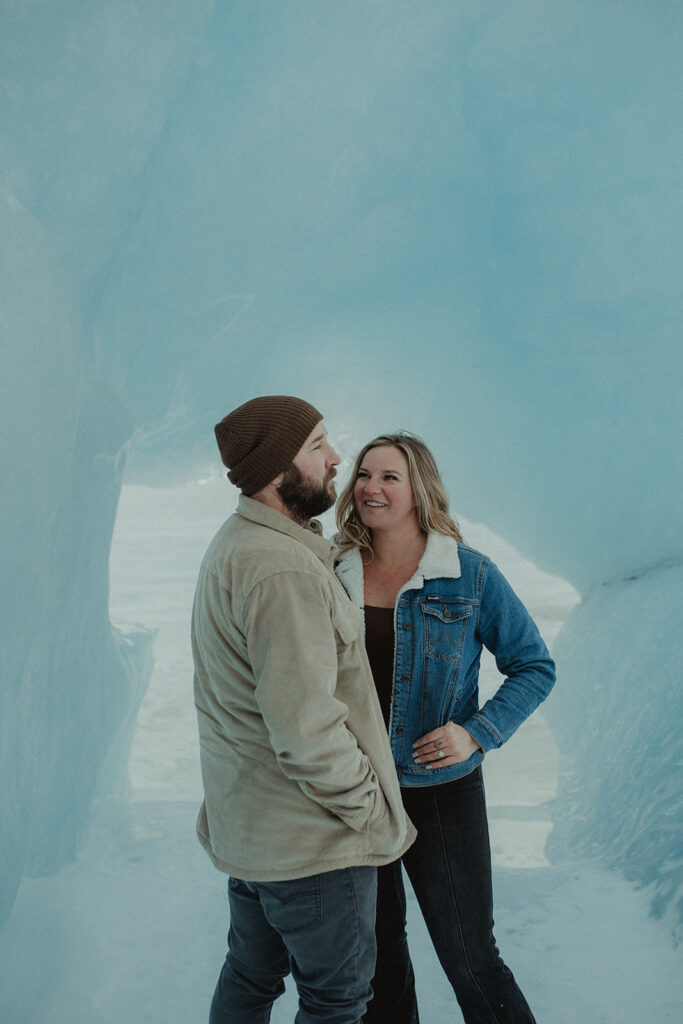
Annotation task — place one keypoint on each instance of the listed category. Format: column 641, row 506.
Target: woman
column 430, row 604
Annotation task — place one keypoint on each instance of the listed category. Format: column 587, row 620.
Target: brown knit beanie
column 258, row 440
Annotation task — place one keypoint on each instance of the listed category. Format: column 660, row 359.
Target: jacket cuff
column 483, row 732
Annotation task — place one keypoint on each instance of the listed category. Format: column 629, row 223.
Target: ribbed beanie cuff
column 258, row 440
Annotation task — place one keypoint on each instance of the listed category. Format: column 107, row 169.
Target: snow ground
column 134, row 931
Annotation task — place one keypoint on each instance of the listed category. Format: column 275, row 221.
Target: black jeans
column 449, row 866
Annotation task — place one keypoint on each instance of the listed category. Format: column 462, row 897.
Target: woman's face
column 382, row 493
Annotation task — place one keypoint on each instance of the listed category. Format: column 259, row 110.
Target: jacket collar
column 271, row 518
column 439, row 561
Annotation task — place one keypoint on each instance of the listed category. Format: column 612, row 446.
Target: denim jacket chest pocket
column 445, row 626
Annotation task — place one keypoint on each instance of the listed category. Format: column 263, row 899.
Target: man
column 301, row 801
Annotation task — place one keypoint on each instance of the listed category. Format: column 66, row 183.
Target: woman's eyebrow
column 396, row 472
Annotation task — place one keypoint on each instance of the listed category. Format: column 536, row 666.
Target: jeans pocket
column 293, row 905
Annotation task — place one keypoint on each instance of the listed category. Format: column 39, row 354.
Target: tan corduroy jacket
column 297, row 770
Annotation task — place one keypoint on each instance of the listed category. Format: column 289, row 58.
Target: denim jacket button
column 399, row 728
column 407, row 625
column 405, row 679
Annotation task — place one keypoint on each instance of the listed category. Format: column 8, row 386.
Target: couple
column 340, row 733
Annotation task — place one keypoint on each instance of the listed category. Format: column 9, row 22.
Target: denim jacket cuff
column 483, row 732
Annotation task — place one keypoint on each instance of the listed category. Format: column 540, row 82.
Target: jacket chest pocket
column 347, row 622
column 445, row 625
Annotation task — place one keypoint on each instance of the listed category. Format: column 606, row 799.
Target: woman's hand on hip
column 449, row 744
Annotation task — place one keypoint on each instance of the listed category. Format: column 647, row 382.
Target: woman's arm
column 506, row 629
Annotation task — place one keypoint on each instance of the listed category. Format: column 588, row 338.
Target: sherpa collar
column 440, row 560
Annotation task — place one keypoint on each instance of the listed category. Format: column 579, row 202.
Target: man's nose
column 332, row 458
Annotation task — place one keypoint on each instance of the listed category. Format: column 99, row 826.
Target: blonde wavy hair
column 432, row 511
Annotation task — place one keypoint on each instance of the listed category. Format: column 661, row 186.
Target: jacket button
column 405, row 679
column 407, row 625
column 400, row 776
column 399, row 728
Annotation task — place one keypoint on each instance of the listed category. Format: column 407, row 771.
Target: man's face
column 307, row 487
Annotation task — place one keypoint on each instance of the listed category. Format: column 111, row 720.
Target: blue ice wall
column 618, row 719
column 463, row 219
column 85, row 91
column 69, row 683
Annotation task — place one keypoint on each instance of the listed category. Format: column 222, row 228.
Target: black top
column 379, row 643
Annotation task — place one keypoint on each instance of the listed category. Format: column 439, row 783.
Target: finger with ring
column 441, row 753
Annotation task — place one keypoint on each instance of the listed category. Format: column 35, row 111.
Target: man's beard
column 305, row 498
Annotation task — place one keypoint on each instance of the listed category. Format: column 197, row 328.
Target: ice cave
column 460, row 219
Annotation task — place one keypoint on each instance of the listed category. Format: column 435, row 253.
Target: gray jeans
column 321, row 928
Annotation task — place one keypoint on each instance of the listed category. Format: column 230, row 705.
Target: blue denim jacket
column 457, row 601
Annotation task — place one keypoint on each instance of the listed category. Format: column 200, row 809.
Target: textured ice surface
column 619, row 720
column 69, row 683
